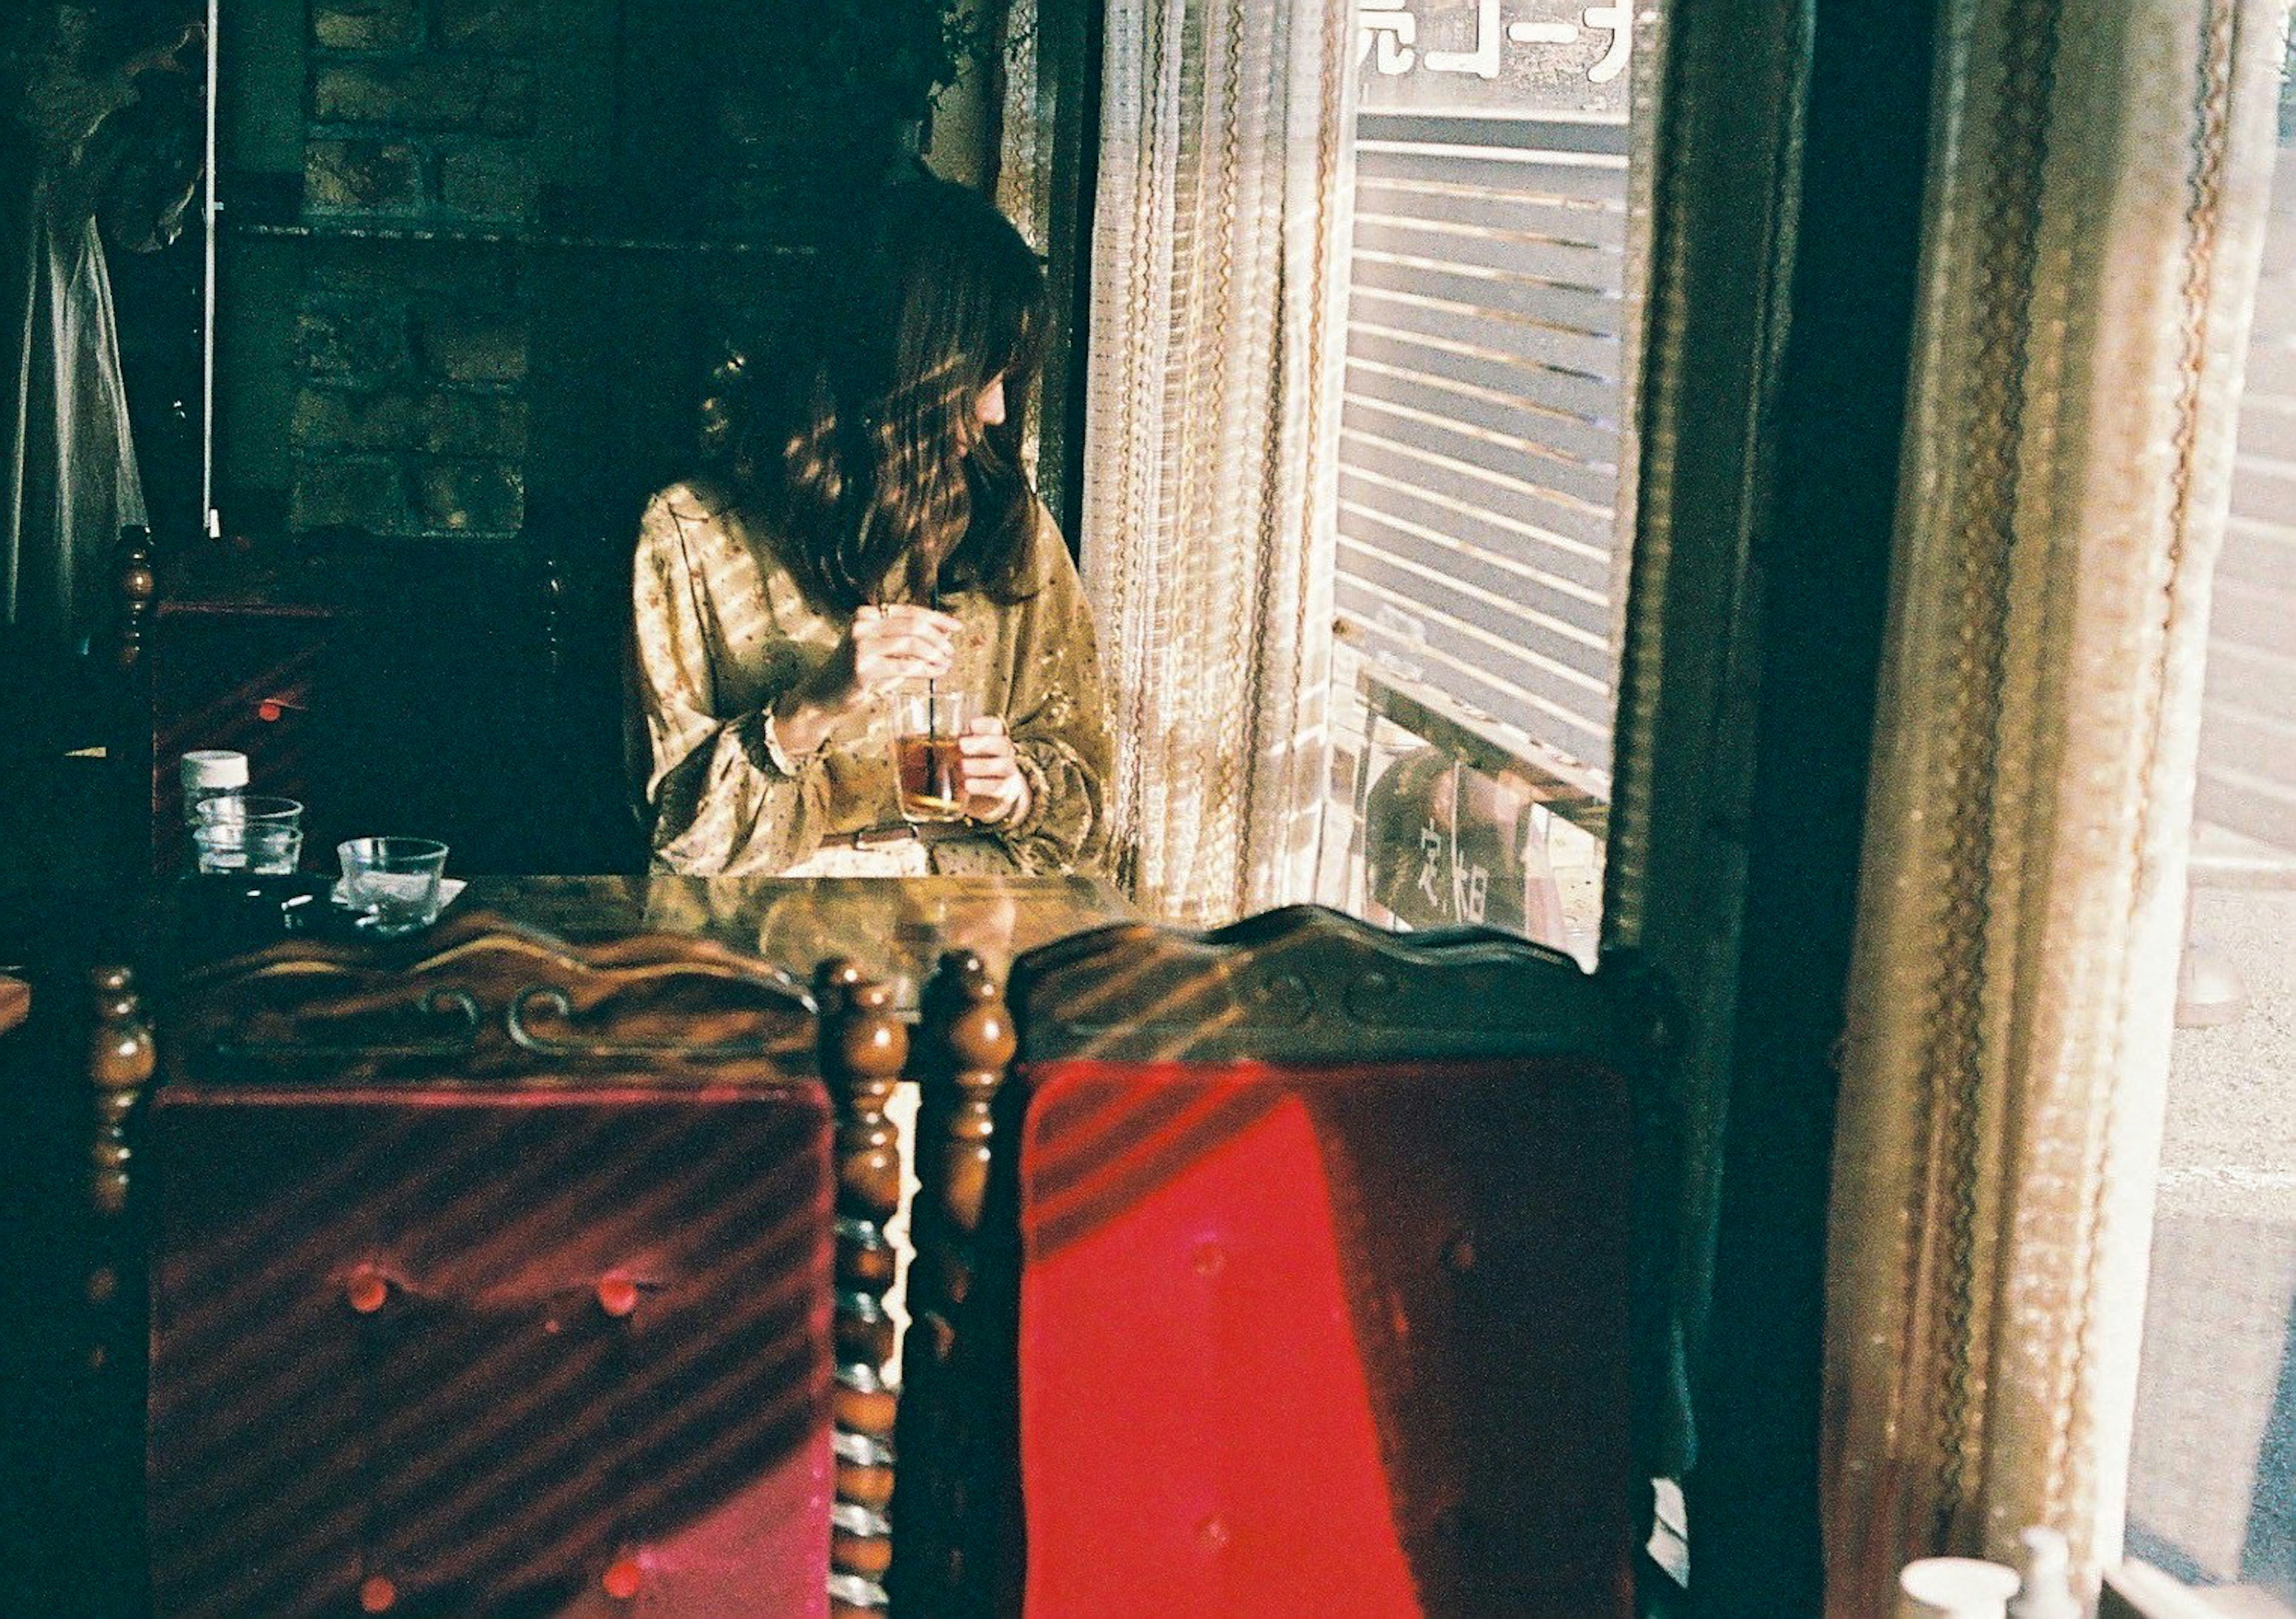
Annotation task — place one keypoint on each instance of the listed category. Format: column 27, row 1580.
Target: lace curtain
column 1210, row 449
column 2097, row 190
column 1024, row 155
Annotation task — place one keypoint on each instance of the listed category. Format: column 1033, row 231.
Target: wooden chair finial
column 864, row 1046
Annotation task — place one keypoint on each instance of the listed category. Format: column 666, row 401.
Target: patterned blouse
column 723, row 630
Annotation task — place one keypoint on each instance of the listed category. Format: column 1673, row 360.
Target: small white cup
column 1954, row 1588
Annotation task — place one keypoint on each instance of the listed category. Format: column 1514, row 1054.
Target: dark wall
column 480, row 253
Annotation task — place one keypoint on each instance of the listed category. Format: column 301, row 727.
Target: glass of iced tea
column 926, row 726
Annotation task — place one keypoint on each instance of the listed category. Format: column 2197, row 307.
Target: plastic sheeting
column 82, row 143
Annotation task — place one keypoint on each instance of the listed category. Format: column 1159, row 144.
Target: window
column 1485, row 452
column 2212, row 1486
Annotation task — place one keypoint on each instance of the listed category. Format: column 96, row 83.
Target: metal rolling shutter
column 1479, row 442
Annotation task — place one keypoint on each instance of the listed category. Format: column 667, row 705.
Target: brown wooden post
column 127, row 733
column 120, row 1065
column 864, row 1048
column 971, row 1031
column 954, row 1517
column 136, row 586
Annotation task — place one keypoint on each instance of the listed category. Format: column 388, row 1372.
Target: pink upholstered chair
column 1285, row 1275
column 495, row 1278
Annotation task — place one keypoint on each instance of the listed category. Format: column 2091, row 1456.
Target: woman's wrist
column 1009, row 809
column 802, row 724
column 1016, row 807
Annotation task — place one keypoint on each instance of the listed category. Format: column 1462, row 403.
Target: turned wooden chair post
column 968, row 1039
column 126, row 732
column 953, row 1527
column 864, row 1048
column 135, row 586
column 107, row 1457
column 120, row 1060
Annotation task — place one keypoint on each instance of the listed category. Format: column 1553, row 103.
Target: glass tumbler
column 926, row 726
column 255, row 848
column 394, row 881
column 247, row 809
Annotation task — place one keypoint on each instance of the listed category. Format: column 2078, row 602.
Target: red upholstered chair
column 1286, row 1276
column 496, row 1278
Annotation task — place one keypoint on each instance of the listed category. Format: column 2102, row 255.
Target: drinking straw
column 932, row 683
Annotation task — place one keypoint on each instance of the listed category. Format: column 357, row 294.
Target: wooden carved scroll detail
column 1310, row 982
column 864, row 1047
column 482, row 999
column 955, row 1520
column 120, row 1065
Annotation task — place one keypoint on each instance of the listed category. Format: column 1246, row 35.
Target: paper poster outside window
column 1495, row 56
column 1446, row 845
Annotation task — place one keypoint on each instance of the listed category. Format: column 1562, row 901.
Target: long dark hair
column 863, row 450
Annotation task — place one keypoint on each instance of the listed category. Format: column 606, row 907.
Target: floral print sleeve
column 725, row 798
column 1058, row 713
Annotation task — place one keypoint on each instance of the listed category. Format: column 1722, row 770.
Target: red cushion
column 1338, row 1343
column 491, row 1351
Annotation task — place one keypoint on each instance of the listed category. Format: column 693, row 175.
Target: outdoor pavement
column 2212, row 1486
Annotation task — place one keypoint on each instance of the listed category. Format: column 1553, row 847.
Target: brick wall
column 410, row 414
column 495, row 314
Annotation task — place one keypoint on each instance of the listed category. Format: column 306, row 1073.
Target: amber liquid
column 931, row 779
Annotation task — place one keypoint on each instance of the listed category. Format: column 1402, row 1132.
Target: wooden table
column 895, row 928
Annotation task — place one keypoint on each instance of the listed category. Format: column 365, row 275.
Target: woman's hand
column 885, row 648
column 893, row 646
column 995, row 789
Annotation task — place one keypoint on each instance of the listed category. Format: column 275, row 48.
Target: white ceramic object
column 1954, row 1588
column 209, row 773
column 2046, row 1581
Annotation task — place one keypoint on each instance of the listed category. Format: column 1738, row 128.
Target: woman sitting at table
column 867, row 529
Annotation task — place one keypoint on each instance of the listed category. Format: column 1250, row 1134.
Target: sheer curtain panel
column 1218, row 304
column 2096, row 197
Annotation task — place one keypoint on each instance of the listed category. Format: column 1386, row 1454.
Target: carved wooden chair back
column 497, row 1277
column 1287, row 1273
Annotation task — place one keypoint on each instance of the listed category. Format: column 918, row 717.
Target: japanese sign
column 1494, row 55
column 1442, row 845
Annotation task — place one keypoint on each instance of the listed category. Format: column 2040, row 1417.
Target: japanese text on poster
column 1494, row 55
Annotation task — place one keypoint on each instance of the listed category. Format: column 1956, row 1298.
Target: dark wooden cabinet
column 244, row 675
column 442, row 694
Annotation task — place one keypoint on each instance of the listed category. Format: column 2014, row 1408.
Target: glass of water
column 254, row 849
column 394, row 881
